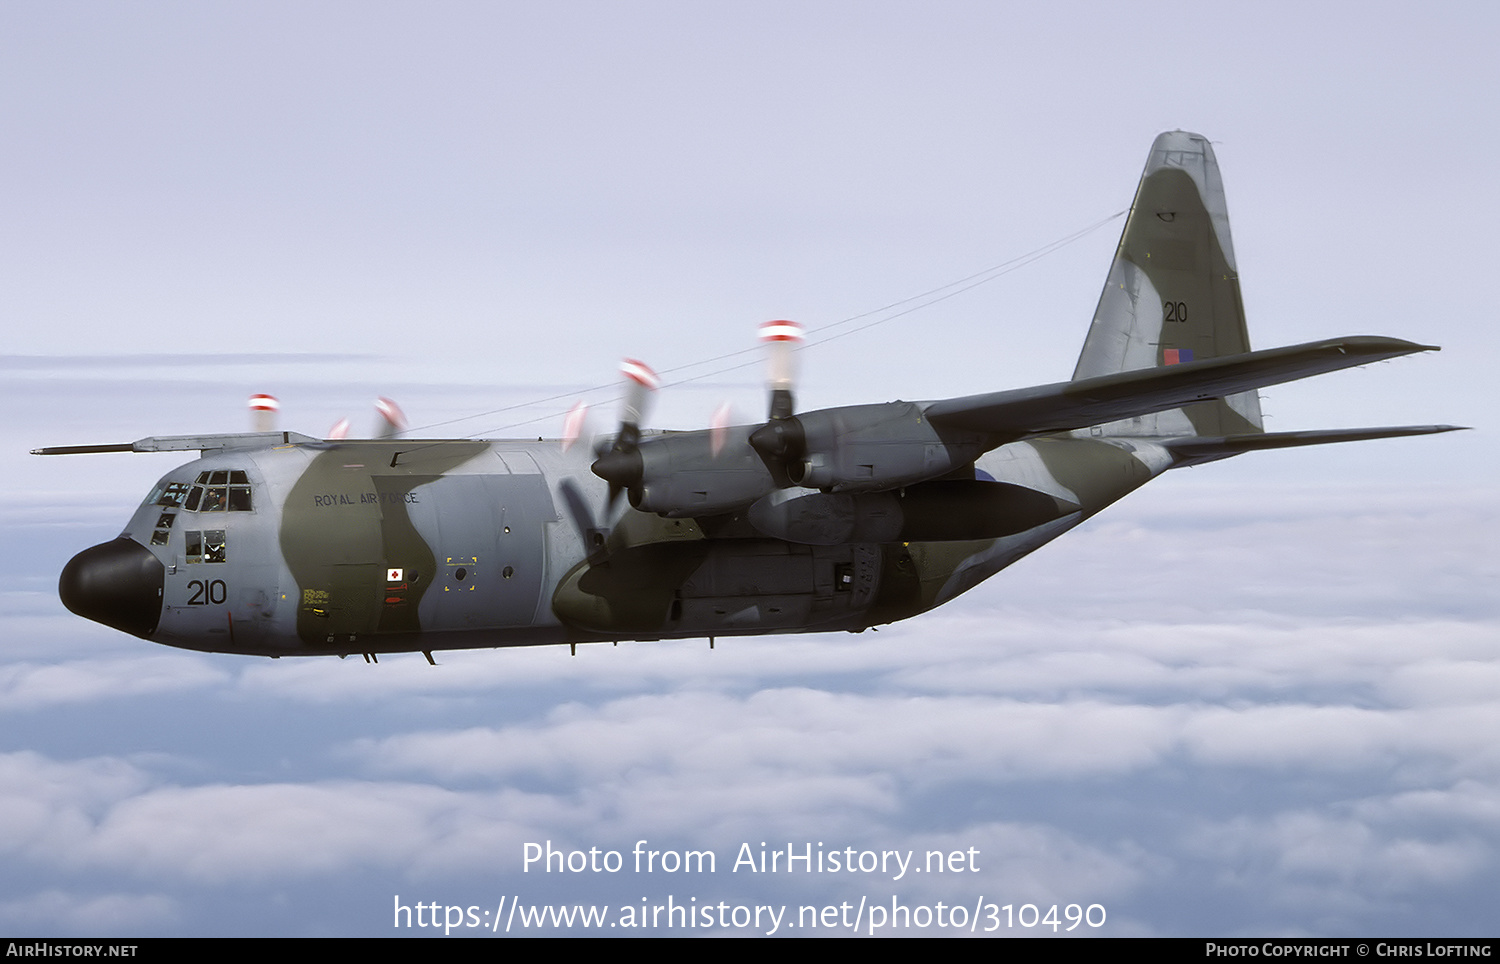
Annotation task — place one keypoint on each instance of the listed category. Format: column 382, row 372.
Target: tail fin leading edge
column 1173, row 291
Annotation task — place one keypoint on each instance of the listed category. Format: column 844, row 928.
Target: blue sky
column 1256, row 697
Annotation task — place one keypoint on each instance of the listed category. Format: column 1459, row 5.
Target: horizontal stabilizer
column 1192, row 450
column 186, row 443
column 1064, row 406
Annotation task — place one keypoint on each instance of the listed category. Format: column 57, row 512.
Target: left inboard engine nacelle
column 681, row 476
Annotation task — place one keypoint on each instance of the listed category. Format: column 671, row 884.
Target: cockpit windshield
column 221, row 490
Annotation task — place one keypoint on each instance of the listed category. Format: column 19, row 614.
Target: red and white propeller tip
column 640, row 373
column 391, row 420
column 782, row 330
column 640, row 382
column 263, row 409
column 574, row 423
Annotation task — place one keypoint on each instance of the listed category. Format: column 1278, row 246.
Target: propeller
column 684, row 471
column 621, row 466
column 593, row 535
column 782, row 339
column 781, row 440
column 390, row 420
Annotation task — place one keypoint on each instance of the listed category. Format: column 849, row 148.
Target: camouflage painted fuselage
column 466, row 544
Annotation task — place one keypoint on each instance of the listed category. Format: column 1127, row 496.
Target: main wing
column 1021, row 413
column 186, row 443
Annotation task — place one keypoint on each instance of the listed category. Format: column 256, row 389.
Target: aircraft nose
column 116, row 583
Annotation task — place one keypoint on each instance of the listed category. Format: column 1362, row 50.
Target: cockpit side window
column 204, row 545
column 213, row 545
column 170, row 494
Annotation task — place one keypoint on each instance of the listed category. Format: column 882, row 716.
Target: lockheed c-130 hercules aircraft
column 277, row 544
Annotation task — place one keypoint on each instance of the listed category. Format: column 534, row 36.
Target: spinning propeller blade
column 263, row 409
column 621, row 465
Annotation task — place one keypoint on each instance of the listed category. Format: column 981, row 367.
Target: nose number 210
column 205, row 592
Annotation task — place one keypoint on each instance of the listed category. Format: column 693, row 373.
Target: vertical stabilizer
column 1173, row 292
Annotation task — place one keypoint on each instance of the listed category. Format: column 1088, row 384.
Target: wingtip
column 1436, row 429
column 1378, row 345
column 83, row 449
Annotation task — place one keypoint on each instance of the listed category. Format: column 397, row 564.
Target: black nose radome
column 115, row 583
